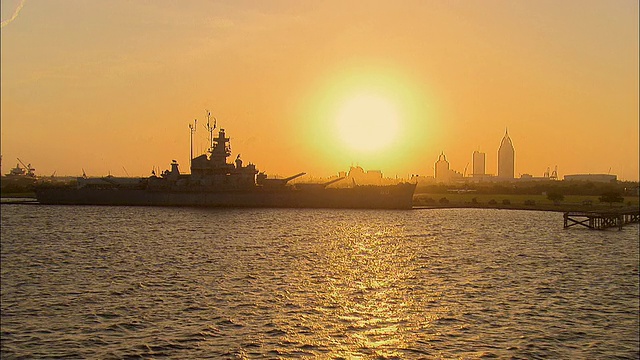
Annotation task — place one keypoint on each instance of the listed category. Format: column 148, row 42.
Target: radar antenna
column 210, row 129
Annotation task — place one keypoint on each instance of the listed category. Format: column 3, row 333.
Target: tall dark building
column 478, row 163
column 506, row 158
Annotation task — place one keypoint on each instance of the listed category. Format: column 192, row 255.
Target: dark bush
column 611, row 197
column 555, row 197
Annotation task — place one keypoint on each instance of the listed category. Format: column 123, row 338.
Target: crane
column 20, row 161
column 30, row 170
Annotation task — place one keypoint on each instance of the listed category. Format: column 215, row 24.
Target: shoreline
column 423, row 201
column 558, row 209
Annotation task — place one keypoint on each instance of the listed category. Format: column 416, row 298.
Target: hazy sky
column 106, row 86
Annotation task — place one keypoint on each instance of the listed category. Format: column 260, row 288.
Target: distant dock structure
column 601, row 220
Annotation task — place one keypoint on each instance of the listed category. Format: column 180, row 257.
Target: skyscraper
column 506, row 158
column 478, row 163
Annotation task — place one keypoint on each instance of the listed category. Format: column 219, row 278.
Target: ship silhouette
column 215, row 182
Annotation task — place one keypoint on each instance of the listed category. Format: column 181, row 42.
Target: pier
column 601, row 220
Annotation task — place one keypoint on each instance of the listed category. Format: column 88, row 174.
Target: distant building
column 478, row 164
column 506, row 158
column 442, row 169
column 442, row 172
column 529, row 177
column 481, row 178
column 422, row 180
column 591, row 177
column 357, row 175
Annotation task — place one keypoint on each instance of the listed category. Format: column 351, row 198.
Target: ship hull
column 360, row 197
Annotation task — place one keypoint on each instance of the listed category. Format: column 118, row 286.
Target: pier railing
column 601, row 220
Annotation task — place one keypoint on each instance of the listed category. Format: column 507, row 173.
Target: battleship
column 215, row 182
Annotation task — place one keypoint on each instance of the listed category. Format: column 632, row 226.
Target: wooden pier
column 601, row 220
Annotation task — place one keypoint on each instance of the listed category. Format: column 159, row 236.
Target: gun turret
column 293, row 177
column 333, row 181
column 262, row 180
column 317, row 186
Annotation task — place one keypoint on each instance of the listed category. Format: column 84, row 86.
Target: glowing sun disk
column 367, row 122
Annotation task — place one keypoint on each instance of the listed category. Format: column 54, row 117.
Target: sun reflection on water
column 366, row 294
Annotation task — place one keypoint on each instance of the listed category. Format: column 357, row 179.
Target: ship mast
column 192, row 129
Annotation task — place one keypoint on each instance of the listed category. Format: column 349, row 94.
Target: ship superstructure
column 210, row 171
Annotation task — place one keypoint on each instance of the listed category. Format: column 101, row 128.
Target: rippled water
column 120, row 282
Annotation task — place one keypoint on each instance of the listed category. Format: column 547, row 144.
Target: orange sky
column 106, row 86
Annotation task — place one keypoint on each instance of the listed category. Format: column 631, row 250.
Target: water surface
column 118, row 282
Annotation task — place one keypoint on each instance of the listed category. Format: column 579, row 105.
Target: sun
column 367, row 122
column 371, row 114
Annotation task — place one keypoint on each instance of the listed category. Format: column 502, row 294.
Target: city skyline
column 111, row 87
column 505, row 154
